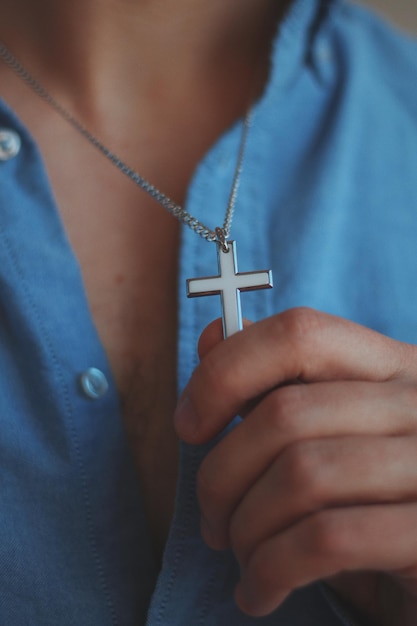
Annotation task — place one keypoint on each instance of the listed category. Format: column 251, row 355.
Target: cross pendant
column 228, row 284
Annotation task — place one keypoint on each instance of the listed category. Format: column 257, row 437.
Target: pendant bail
column 221, row 239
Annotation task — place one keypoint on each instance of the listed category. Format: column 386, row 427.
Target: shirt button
column 10, row 144
column 94, row 383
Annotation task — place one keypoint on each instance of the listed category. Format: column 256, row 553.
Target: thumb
column 212, row 335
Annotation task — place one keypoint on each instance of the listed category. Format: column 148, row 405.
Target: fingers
column 321, row 477
column 212, row 335
column 325, row 544
column 322, row 474
column 298, row 344
column 292, row 415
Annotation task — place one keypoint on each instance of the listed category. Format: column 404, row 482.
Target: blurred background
column 402, row 12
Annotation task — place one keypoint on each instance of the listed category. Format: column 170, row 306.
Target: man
column 310, row 501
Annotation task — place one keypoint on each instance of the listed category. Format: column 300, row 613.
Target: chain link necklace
column 229, row 282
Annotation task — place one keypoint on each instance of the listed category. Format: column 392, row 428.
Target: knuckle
column 303, row 329
column 327, row 538
column 305, row 467
column 285, row 408
column 302, row 323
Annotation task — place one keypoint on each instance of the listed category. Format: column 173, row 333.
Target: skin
column 157, row 81
column 300, row 485
column 114, row 62
column 328, row 485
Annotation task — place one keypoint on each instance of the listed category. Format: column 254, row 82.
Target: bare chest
column 127, row 247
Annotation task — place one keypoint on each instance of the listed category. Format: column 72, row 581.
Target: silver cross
column 228, row 284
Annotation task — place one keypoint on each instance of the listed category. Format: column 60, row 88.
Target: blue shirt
column 328, row 200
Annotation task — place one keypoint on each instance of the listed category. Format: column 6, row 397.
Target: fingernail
column 185, row 418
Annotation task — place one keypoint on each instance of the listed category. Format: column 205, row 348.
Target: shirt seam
column 70, row 415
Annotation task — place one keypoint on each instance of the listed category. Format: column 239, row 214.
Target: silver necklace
column 229, row 282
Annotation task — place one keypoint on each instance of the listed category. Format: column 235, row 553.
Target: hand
column 319, row 481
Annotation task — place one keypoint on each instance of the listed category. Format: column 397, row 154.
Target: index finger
column 301, row 344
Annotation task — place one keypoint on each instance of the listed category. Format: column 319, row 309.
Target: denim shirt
column 327, row 199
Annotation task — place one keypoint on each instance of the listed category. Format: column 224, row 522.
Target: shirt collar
column 294, row 43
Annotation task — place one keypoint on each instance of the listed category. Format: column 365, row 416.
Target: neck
column 83, row 39
column 94, row 55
